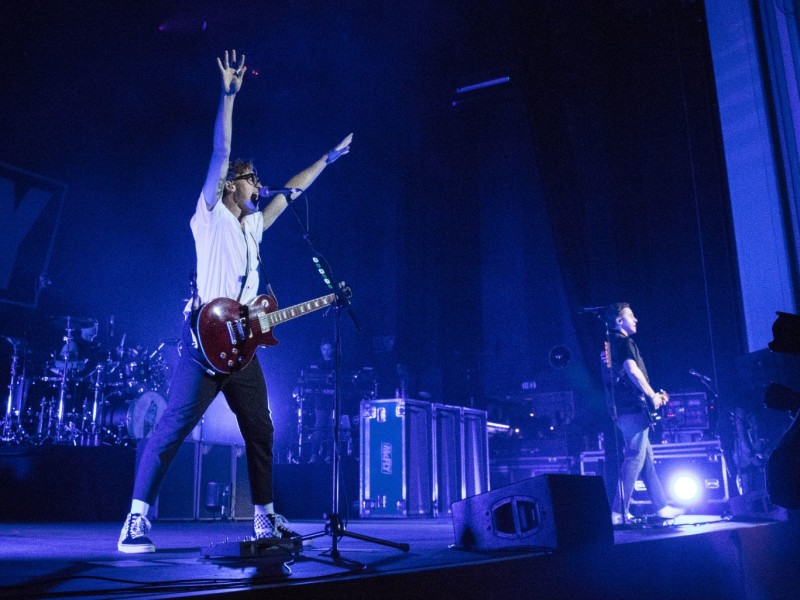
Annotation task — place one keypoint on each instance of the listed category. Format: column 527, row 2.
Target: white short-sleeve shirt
column 226, row 252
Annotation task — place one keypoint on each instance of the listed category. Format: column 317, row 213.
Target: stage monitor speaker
column 548, row 512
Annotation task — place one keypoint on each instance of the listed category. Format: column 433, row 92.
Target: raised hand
column 231, row 76
column 340, row 150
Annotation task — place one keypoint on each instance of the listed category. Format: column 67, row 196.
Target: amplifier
column 693, row 474
column 511, row 470
column 686, row 411
column 200, row 483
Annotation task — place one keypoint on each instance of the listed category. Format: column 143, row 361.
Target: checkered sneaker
column 272, row 525
column 133, row 537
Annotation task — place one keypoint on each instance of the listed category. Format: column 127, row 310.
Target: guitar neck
column 271, row 319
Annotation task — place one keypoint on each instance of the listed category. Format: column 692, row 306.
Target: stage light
column 686, row 488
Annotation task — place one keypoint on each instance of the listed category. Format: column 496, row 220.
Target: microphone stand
column 335, row 526
column 612, row 409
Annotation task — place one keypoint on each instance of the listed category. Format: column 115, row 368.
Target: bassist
column 635, row 401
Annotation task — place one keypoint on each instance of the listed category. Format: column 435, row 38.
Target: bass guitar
column 226, row 334
column 649, row 408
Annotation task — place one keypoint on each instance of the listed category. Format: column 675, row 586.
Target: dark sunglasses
column 251, row 177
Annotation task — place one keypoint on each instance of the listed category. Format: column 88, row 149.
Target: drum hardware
column 72, row 322
column 97, row 404
column 128, row 420
column 62, row 390
column 12, row 429
column 313, row 441
column 109, row 396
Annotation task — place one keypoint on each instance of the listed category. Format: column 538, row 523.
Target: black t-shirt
column 626, row 394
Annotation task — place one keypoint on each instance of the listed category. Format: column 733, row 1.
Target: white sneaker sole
column 136, row 548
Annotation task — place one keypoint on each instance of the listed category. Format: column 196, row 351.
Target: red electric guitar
column 228, row 333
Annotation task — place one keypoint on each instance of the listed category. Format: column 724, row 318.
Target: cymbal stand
column 44, row 407
column 9, row 425
column 301, row 400
column 62, row 388
column 98, row 405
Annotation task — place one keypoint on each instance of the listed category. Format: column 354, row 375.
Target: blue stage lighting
column 686, row 488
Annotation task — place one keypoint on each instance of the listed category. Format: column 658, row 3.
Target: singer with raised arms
column 227, row 228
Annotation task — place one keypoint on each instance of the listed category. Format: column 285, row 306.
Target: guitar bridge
column 236, row 331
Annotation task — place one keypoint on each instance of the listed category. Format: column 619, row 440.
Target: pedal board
column 649, row 522
column 272, row 547
column 654, row 521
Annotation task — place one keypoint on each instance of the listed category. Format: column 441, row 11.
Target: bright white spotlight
column 686, row 488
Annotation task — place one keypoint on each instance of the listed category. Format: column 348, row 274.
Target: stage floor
column 699, row 556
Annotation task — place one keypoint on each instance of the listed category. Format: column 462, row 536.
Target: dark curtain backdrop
column 595, row 175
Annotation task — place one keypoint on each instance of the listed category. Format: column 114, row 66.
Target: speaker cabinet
column 217, row 480
column 178, row 495
column 200, row 483
column 396, row 458
column 548, row 511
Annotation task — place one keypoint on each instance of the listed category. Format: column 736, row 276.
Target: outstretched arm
column 304, row 179
column 640, row 381
column 223, row 127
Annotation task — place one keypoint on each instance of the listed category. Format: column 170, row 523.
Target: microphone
column 705, row 378
column 266, row 192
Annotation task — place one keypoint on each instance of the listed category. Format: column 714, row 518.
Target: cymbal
column 12, row 340
column 63, row 322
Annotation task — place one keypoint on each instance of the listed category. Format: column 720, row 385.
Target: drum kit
column 314, row 395
column 85, row 394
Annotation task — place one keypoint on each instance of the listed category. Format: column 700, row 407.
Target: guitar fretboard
column 269, row 320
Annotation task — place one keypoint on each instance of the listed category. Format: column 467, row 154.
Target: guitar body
column 228, row 333
column 650, row 409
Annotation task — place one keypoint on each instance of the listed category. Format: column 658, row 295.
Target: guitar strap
column 189, row 341
column 264, row 284
column 262, row 271
column 246, row 268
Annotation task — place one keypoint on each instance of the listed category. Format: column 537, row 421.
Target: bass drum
column 135, row 418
